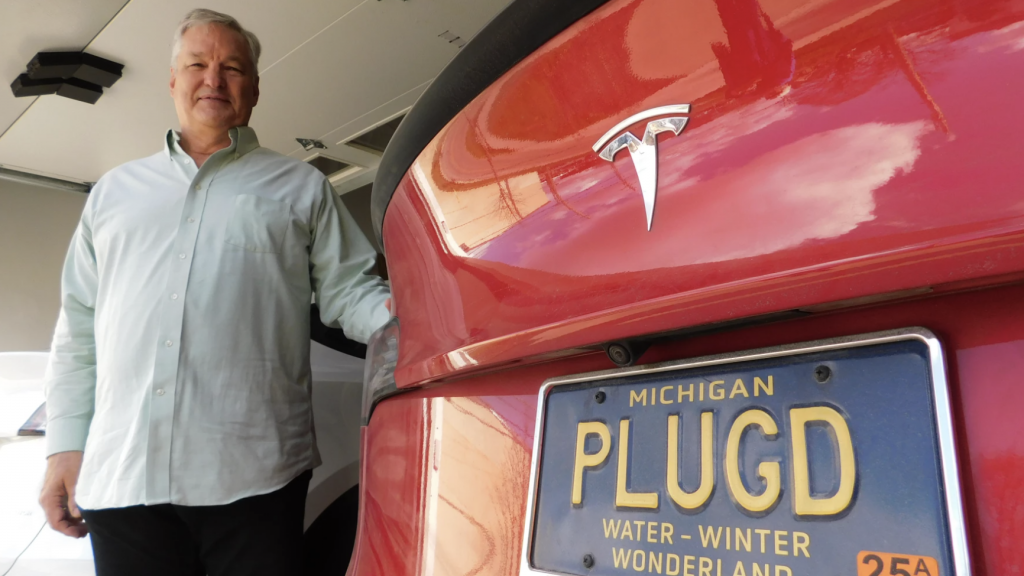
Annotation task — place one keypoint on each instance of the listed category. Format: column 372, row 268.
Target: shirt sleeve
column 341, row 260
column 70, row 380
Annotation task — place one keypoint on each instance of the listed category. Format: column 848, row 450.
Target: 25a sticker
column 886, row 564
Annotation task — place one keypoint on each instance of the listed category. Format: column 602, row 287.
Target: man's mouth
column 214, row 98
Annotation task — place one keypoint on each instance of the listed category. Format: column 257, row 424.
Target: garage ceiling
column 330, row 70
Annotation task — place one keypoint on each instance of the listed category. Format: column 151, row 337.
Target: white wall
column 36, row 225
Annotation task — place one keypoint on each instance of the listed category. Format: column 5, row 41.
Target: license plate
column 832, row 457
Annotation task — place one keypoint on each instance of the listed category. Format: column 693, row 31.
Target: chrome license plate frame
column 944, row 429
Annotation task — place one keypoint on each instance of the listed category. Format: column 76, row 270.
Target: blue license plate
column 827, row 458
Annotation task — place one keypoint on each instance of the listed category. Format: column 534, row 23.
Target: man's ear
column 256, row 91
column 173, row 78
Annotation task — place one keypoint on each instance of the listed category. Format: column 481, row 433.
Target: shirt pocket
column 258, row 224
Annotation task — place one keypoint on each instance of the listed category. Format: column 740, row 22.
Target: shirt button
column 199, row 186
column 188, row 160
column 174, row 296
column 159, row 391
column 181, row 256
column 191, row 220
column 168, row 343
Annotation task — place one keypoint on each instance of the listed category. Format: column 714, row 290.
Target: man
column 178, row 389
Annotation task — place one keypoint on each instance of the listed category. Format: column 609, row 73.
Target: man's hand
column 58, row 496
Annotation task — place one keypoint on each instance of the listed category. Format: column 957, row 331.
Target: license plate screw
column 600, row 396
column 822, row 374
column 588, row 561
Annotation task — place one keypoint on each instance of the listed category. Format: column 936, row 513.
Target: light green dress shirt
column 180, row 361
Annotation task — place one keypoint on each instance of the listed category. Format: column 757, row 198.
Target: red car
column 705, row 287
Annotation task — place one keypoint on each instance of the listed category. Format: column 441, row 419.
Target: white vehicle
column 29, row 547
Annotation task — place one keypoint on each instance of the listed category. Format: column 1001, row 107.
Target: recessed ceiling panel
column 378, row 138
column 326, row 165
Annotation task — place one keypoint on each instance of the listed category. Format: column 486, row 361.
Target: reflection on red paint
column 757, row 57
column 399, row 455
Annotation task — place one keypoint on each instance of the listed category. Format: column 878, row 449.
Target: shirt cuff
column 66, row 435
column 380, row 317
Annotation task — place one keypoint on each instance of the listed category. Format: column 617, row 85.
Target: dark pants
column 259, row 535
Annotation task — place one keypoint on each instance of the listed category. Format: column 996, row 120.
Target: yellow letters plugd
column 583, row 460
column 767, row 470
column 803, row 503
column 697, row 498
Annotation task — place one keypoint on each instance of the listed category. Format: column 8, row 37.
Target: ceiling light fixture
column 74, row 75
column 310, row 143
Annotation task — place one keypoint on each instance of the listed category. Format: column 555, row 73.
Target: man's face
column 213, row 83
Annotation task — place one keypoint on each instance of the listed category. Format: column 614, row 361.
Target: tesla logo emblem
column 644, row 152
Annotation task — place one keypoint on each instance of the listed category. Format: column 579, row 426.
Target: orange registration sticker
column 886, row 564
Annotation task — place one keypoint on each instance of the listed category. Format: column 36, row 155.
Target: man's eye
column 195, row 65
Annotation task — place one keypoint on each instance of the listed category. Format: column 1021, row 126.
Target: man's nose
column 214, row 76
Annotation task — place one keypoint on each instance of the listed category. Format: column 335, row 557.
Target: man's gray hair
column 203, row 17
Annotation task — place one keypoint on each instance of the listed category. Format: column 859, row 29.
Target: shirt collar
column 243, row 141
column 172, row 147
column 243, row 138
